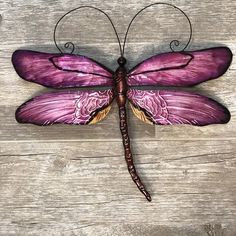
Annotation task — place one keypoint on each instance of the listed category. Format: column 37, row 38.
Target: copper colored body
column 121, row 89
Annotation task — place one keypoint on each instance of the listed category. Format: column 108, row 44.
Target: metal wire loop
column 70, row 44
column 175, row 42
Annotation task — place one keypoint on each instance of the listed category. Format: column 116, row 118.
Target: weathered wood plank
column 109, row 129
column 46, row 186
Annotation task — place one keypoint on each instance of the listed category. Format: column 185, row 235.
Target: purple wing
column 181, row 68
column 67, row 107
column 60, row 70
column 166, row 107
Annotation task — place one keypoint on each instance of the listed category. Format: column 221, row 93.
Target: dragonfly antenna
column 175, row 42
column 70, row 44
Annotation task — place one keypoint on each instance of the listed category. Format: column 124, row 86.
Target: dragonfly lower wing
column 66, row 107
column 166, row 107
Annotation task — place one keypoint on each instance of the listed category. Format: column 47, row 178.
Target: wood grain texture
column 72, row 180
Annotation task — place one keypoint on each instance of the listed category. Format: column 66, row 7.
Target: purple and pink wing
column 181, row 68
column 60, row 70
column 166, row 107
column 66, row 107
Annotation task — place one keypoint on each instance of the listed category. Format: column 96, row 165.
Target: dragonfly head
column 121, row 61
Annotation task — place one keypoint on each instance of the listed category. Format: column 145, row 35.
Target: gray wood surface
column 72, row 180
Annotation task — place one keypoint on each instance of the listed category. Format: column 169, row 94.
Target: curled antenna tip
column 175, row 42
column 68, row 44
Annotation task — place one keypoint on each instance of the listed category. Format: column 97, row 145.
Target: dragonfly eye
column 121, row 61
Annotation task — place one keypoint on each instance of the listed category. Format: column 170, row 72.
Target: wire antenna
column 70, row 44
column 175, row 42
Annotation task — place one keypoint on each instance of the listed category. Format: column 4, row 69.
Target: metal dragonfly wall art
column 152, row 105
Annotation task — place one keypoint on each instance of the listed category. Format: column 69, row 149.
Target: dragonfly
column 143, row 86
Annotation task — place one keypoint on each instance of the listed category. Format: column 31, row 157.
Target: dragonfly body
column 120, row 77
column 121, row 88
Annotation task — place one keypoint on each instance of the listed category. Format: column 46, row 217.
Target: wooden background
column 73, row 180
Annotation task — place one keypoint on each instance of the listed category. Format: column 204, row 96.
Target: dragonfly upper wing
column 181, row 68
column 166, row 107
column 60, row 70
column 67, row 107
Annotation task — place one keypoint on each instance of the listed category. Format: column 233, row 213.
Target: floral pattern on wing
column 67, row 107
column 166, row 107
